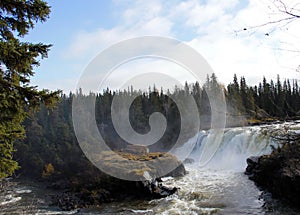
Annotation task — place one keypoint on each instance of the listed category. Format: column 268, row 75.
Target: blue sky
column 79, row 30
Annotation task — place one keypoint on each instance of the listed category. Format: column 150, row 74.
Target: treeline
column 267, row 99
column 51, row 148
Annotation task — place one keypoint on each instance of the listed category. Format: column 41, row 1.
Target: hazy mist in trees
column 51, row 139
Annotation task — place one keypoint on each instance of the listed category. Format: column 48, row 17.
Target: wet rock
column 278, row 173
column 252, row 164
column 67, row 201
column 188, row 161
column 156, row 190
column 147, row 168
column 177, row 172
column 74, row 200
column 94, row 197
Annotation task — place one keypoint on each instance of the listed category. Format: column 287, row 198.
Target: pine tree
column 243, row 94
column 17, row 60
column 235, row 103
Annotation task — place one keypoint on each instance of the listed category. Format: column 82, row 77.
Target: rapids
column 215, row 183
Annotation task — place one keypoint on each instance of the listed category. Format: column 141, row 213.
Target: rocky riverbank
column 95, row 196
column 278, row 173
column 107, row 189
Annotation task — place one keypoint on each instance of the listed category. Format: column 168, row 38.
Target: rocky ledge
column 278, row 173
column 108, row 189
column 140, row 167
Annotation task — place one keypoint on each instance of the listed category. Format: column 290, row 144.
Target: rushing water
column 220, row 187
column 25, row 198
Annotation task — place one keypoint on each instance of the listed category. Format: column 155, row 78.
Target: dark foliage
column 17, row 59
column 51, row 139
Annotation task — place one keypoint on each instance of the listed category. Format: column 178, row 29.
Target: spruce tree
column 17, row 60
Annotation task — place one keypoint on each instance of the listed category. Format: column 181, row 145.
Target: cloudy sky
column 79, row 30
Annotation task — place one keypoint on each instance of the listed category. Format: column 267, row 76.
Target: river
column 220, row 187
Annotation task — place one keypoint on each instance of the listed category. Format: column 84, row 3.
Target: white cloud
column 251, row 53
column 137, row 72
column 198, row 14
column 247, row 53
column 141, row 11
column 140, row 19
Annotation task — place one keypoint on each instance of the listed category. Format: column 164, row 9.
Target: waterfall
column 234, row 147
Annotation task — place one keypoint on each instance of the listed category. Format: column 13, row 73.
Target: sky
column 79, row 30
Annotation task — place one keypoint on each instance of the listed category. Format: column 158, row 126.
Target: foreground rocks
column 70, row 200
column 278, row 173
column 108, row 189
column 155, row 190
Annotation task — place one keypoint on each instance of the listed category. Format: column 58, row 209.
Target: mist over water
column 236, row 146
column 220, row 187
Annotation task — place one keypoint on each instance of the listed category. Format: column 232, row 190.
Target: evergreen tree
column 51, row 139
column 17, row 60
column 235, row 104
column 243, row 95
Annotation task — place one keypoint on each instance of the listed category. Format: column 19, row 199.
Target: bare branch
column 266, row 24
column 288, row 11
column 281, row 16
column 281, row 7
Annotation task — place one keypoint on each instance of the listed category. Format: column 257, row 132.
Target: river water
column 220, row 187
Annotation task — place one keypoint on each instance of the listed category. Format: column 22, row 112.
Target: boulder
column 177, row 172
column 140, row 167
column 155, row 190
column 278, row 173
column 189, row 161
column 252, row 165
column 67, row 200
column 146, row 169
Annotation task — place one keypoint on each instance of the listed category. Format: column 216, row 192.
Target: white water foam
column 9, row 199
column 237, row 144
column 46, row 212
column 141, row 211
column 21, row 191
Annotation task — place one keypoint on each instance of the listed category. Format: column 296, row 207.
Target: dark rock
column 60, row 185
column 86, row 192
column 252, row 164
column 177, row 172
column 253, row 160
column 278, row 173
column 155, row 190
column 89, row 195
column 74, row 200
column 188, row 161
column 67, row 201
column 94, row 197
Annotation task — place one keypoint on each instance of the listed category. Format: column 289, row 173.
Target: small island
column 106, row 188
